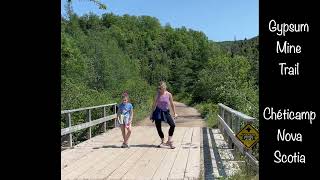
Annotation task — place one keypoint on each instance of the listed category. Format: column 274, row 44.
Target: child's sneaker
column 125, row 146
column 161, row 144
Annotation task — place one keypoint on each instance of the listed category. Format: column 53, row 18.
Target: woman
column 161, row 112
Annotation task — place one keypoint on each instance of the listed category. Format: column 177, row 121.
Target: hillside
column 103, row 56
column 248, row 48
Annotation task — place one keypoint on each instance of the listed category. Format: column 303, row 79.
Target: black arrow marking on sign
column 248, row 129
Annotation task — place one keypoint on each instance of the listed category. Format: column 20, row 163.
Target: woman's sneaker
column 170, row 144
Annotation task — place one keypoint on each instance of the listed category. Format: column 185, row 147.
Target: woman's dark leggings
column 171, row 129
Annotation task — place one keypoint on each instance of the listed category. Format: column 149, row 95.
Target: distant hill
column 248, row 48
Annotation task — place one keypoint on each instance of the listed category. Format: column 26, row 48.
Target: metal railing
column 229, row 122
column 74, row 128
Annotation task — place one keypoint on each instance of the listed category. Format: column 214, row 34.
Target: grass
column 142, row 111
column 209, row 112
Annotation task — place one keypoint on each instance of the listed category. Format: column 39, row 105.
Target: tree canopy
column 102, row 56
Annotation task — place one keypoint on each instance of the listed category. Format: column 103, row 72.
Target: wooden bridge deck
column 102, row 158
column 200, row 153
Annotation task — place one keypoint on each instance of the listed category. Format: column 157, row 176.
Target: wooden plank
column 180, row 163
column 148, row 153
column 135, row 171
column 193, row 163
column 104, row 164
column 83, row 167
column 71, row 156
column 155, row 160
column 109, row 136
column 72, row 169
column 166, row 164
column 215, row 170
column 114, row 153
column 122, row 165
column 104, row 170
column 101, row 141
column 80, row 167
column 85, row 163
column 86, row 125
column 152, row 164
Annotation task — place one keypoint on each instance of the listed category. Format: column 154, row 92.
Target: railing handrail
column 91, row 122
column 243, row 150
column 237, row 113
column 81, row 126
column 86, row 108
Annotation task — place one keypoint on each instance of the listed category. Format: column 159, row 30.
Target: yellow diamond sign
column 248, row 135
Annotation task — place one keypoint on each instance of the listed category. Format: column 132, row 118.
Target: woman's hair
column 162, row 84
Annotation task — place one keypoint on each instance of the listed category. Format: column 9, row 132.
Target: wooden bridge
column 200, row 153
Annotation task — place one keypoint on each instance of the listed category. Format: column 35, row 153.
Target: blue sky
column 220, row 20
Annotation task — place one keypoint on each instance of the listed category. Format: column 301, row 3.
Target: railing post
column 89, row 120
column 237, row 124
column 222, row 116
column 69, row 125
column 229, row 123
column 105, row 123
column 115, row 112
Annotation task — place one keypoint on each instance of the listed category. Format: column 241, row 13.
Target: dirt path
column 187, row 117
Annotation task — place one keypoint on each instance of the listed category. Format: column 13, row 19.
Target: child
column 124, row 116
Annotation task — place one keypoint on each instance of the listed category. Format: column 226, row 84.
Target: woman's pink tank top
column 163, row 101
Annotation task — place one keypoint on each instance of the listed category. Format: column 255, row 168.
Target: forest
column 103, row 56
